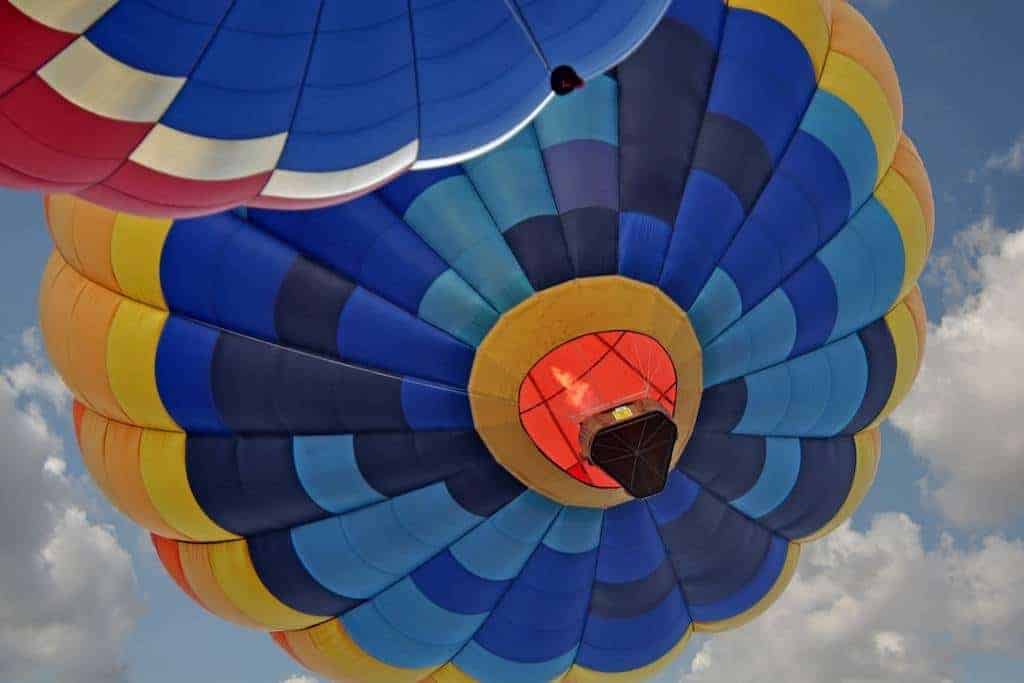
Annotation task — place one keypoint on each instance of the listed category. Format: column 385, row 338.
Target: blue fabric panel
column 484, row 489
column 448, row 584
column 781, row 233
column 583, row 173
column 751, row 592
column 279, row 568
column 848, row 383
column 728, row 465
column 813, row 167
column 709, row 216
column 375, row 334
column 731, row 151
column 184, row 361
column 475, row 83
column 262, row 388
column 309, row 303
column 718, row 304
column 715, row 550
column 764, row 78
column 452, row 305
column 593, row 238
column 451, row 218
column 614, row 645
column 517, row 529
column 678, row 497
column 881, row 358
column 634, row 598
column 588, row 114
column 404, row 628
column 707, row 17
column 431, row 407
column 484, row 665
column 540, row 248
column 722, row 407
column 867, row 261
column 576, row 530
column 248, row 485
column 826, row 476
column 630, row 550
column 763, row 336
column 396, row 463
column 250, row 102
column 148, row 38
column 781, row 469
column 658, row 124
column 813, row 294
column 328, row 470
column 401, row 192
column 839, row 127
column 643, row 242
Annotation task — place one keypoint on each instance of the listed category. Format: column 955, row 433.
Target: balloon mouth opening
column 600, row 408
column 565, row 80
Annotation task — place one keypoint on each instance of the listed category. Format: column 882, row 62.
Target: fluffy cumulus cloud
column 963, row 415
column 877, row 606
column 1010, row 160
column 68, row 594
column 298, row 678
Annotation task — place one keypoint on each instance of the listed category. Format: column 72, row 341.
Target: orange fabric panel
column 92, row 230
column 910, row 166
column 124, row 474
column 167, row 551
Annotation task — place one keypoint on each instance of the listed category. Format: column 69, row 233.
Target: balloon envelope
column 348, row 426
column 175, row 108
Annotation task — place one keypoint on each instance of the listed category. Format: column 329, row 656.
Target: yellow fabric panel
column 898, row 198
column 60, row 217
column 808, row 20
column 131, row 361
column 92, row 438
column 90, row 323
column 908, row 164
column 198, row 571
column 328, row 650
column 233, row 568
column 915, row 304
column 135, row 250
column 853, row 36
column 162, row 463
column 579, row 674
column 868, row 452
column 904, row 335
column 449, row 673
column 852, row 83
column 788, row 568
column 91, row 231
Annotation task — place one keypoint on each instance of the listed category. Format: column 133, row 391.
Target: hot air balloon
column 540, row 416
column 171, row 107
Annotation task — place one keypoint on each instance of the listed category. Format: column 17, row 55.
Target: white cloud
column 1009, row 161
column 876, row 606
column 297, row 678
column 68, row 594
column 963, row 415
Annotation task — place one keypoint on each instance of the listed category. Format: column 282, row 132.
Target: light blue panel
column 810, row 385
column 849, row 366
column 402, row 627
column 450, row 217
column 512, row 181
column 455, row 307
column 839, row 127
column 717, row 306
column 516, row 529
column 328, row 470
column 588, row 114
column 328, row 556
column 433, row 516
column 778, row 477
column 483, row 665
column 768, row 396
column 576, row 530
column 763, row 336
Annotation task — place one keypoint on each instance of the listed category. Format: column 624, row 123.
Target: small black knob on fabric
column 564, row 80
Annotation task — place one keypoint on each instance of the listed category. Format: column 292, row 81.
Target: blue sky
column 960, row 65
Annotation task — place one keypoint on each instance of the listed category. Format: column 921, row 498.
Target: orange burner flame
column 576, row 390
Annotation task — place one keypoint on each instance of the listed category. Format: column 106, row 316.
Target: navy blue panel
column 633, row 598
column 881, row 354
column 715, row 549
column 450, row 585
column 400, row 193
column 539, row 245
column 248, row 486
column 827, row 467
column 309, row 304
column 263, row 388
column 394, row 464
column 485, row 489
column 184, row 357
column 614, row 645
column 285, row 576
column 730, row 150
column 643, row 241
column 813, row 166
column 592, row 235
column 722, row 407
column 707, row 17
column 727, row 464
column 663, row 89
column 813, row 295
